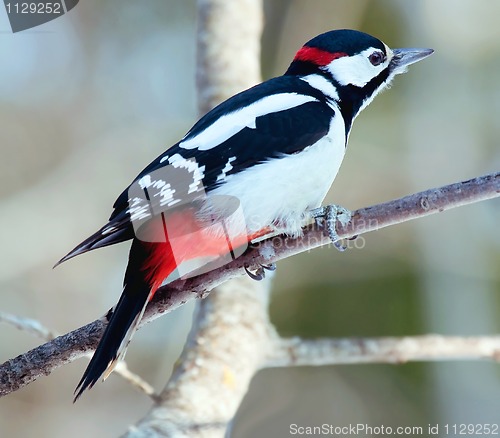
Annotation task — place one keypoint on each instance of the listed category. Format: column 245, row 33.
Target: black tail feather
column 98, row 240
column 127, row 310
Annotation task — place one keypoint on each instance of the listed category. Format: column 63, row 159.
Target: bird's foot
column 331, row 214
column 260, row 272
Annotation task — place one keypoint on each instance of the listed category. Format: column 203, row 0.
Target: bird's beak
column 402, row 58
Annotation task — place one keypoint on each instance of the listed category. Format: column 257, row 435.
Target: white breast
column 279, row 191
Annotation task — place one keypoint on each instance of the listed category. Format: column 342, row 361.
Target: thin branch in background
column 135, row 380
column 29, row 325
column 319, row 352
column 34, row 327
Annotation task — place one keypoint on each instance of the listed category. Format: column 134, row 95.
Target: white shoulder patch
column 322, row 84
column 228, row 125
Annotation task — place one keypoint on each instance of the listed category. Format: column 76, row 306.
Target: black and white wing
column 279, row 117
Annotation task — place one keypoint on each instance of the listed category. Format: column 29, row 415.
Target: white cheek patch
column 356, row 70
column 230, row 124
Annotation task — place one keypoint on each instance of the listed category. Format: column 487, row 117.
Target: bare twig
column 34, row 327
column 42, row 360
column 135, row 380
column 319, row 352
column 29, row 325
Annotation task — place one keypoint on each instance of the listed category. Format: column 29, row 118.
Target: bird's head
column 359, row 65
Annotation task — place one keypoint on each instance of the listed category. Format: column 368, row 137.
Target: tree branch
column 25, row 368
column 319, row 352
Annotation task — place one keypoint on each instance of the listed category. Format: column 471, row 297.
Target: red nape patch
column 317, row 56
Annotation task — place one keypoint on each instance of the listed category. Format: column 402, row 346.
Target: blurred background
column 87, row 100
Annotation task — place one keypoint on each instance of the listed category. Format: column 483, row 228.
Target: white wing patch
column 178, row 161
column 153, row 193
column 227, row 168
column 138, row 209
column 228, row 125
column 166, row 195
column 145, row 181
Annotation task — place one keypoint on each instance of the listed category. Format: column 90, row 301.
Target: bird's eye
column 377, row 58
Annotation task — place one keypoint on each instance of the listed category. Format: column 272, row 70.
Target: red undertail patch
column 179, row 237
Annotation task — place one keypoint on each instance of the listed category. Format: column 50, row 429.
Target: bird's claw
column 331, row 214
column 260, row 272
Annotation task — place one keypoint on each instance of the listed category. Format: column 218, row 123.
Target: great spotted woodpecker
column 255, row 164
